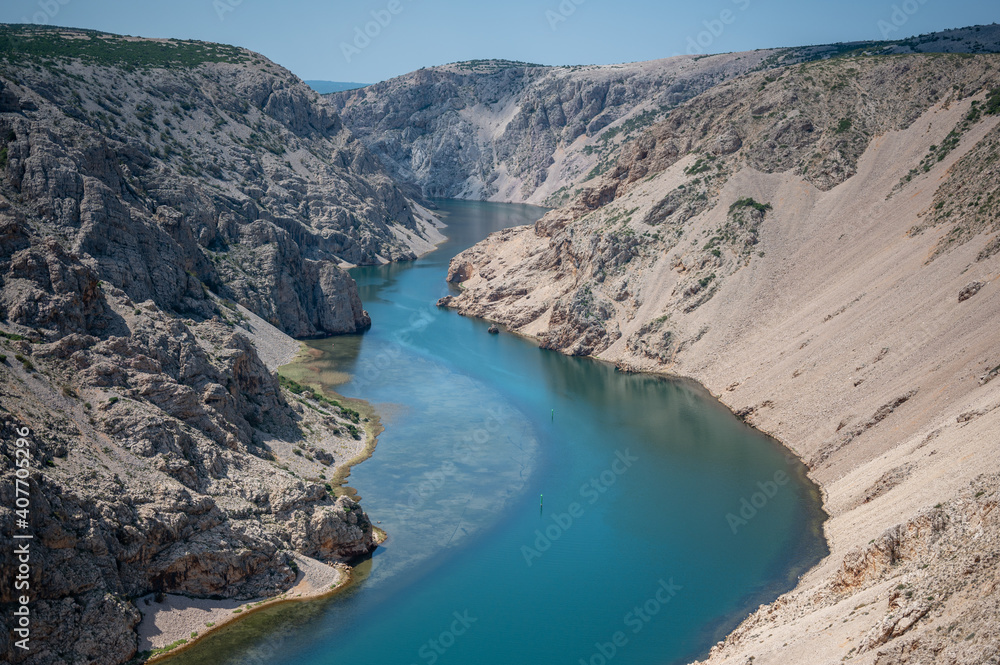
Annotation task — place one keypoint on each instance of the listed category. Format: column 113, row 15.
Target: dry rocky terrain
column 810, row 233
column 170, row 213
column 816, row 244
column 519, row 132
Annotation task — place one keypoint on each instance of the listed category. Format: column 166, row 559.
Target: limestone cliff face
column 227, row 172
column 494, row 129
column 817, row 244
column 144, row 187
column 512, row 131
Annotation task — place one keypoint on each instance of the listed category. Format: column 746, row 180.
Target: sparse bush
column 748, row 202
column 700, row 166
column 169, row 647
column 992, row 102
column 295, row 387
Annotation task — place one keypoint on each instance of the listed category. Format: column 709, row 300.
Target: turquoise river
column 540, row 508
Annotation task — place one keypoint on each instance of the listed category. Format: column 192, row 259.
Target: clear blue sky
column 309, row 36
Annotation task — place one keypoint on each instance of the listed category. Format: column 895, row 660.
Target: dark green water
column 632, row 558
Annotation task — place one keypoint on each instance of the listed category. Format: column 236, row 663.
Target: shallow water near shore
column 540, row 508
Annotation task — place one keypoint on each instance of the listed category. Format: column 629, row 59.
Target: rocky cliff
column 224, row 169
column 160, row 203
column 512, row 131
column 817, row 244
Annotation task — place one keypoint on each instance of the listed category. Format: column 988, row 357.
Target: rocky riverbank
column 817, row 246
column 813, row 239
column 171, row 213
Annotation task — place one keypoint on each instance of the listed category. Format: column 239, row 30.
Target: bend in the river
column 664, row 518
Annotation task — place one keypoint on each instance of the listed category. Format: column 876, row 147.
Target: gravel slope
column 827, row 312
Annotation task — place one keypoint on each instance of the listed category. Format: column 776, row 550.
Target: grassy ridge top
column 19, row 42
column 491, row 65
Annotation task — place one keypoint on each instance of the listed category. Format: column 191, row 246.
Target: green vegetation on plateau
column 493, row 65
column 44, row 43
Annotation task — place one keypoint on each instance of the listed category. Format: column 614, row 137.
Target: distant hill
column 524, row 133
column 324, row 87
